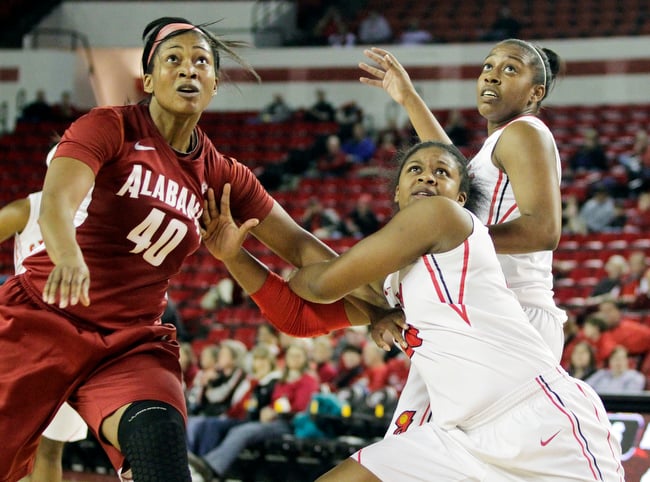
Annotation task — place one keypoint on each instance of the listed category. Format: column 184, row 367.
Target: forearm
column 291, row 242
column 247, row 271
column 424, row 122
column 297, row 317
column 525, row 234
column 58, row 231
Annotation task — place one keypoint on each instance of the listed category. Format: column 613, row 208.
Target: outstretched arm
column 283, row 308
column 13, row 218
column 431, row 225
column 389, row 75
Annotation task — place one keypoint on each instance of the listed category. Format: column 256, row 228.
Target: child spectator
column 582, row 361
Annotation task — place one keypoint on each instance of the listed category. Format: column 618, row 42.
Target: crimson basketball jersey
column 143, row 218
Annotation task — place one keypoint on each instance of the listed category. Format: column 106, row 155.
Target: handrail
column 77, row 39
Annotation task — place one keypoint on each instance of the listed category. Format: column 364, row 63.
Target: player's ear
column 537, row 94
column 396, row 197
column 147, row 82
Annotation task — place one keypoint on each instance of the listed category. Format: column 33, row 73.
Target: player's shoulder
column 525, row 129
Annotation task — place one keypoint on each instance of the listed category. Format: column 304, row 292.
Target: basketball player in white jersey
column 519, row 168
column 19, row 219
column 505, row 409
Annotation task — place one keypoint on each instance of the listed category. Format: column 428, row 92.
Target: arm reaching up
column 283, row 308
column 391, row 76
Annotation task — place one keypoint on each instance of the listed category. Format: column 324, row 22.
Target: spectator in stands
column 504, row 27
column 349, row 372
column 220, row 375
column 276, row 111
column 321, row 221
column 322, row 110
column 375, row 29
column 291, row 395
column 583, row 361
column 65, row 110
column 414, row 34
column 335, row 162
column 38, row 110
column 590, row 156
column 633, row 160
column 637, row 220
column 599, row 212
column 616, row 268
column 572, row 223
column 618, row 378
column 632, row 334
column 322, row 355
column 223, row 293
column 347, row 115
column 331, row 29
column 361, row 221
column 219, row 390
column 456, row 128
column 360, row 146
column 632, row 280
column 375, row 374
column 592, row 332
column 261, row 382
column 386, row 149
column 642, row 299
column 268, row 336
column 189, row 365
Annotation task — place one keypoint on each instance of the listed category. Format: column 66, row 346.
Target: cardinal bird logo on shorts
column 404, row 421
column 412, row 338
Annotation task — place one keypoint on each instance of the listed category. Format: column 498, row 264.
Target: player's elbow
column 549, row 240
column 323, row 292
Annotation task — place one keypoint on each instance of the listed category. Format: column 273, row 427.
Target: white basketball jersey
column 528, row 275
column 30, row 240
column 469, row 339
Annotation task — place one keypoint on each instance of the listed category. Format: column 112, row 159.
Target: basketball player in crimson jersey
column 82, row 323
column 504, row 408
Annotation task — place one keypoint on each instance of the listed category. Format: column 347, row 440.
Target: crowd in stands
column 365, row 22
column 240, row 398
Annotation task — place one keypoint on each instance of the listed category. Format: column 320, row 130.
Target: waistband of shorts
column 514, row 398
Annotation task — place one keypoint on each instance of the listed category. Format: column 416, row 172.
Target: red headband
column 167, row 30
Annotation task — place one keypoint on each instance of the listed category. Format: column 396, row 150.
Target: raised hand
column 387, row 73
column 221, row 235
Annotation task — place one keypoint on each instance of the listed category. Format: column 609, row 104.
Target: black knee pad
column 152, row 439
